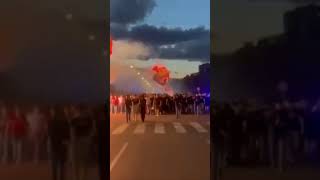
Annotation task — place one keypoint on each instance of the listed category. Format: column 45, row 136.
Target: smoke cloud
column 122, row 77
column 124, row 50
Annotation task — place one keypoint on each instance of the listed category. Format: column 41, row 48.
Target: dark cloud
column 162, row 35
column 192, row 44
column 130, row 11
column 158, row 35
column 119, row 31
column 198, row 50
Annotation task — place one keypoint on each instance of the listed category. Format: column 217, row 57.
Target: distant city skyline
column 236, row 22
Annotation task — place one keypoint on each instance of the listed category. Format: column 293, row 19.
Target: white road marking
column 198, row 127
column 179, row 128
column 120, row 129
column 159, row 129
column 115, row 160
column 140, row 129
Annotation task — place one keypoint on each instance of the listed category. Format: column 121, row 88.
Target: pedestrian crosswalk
column 140, row 129
column 120, row 129
column 198, row 127
column 162, row 128
column 159, row 129
column 179, row 128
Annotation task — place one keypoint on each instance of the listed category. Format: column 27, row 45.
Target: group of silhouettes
column 159, row 104
column 58, row 134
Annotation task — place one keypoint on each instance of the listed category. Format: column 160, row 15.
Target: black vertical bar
column 211, row 89
column 104, row 125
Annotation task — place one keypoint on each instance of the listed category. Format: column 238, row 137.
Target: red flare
column 162, row 74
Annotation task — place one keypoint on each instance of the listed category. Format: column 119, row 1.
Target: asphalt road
column 162, row 148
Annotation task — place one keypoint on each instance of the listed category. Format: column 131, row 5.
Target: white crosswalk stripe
column 198, row 127
column 120, row 129
column 140, row 129
column 159, row 129
column 179, row 128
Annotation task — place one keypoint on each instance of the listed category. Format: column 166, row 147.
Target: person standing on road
column 17, row 131
column 157, row 102
column 58, row 135
column 128, row 103
column 220, row 128
column 82, row 127
column 102, row 137
column 270, row 116
column 312, row 134
column 148, row 99
column 161, row 106
column 121, row 104
column 189, row 104
column 178, row 105
column 207, row 103
column 117, row 104
column 135, row 105
column 113, row 100
column 152, row 105
column 36, row 131
column 3, row 138
column 282, row 126
column 143, row 107
column 198, row 105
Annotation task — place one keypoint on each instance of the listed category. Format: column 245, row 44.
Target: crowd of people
column 280, row 135
column 57, row 134
column 159, row 104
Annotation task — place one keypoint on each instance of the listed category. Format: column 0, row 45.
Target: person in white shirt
column 121, row 104
column 148, row 104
